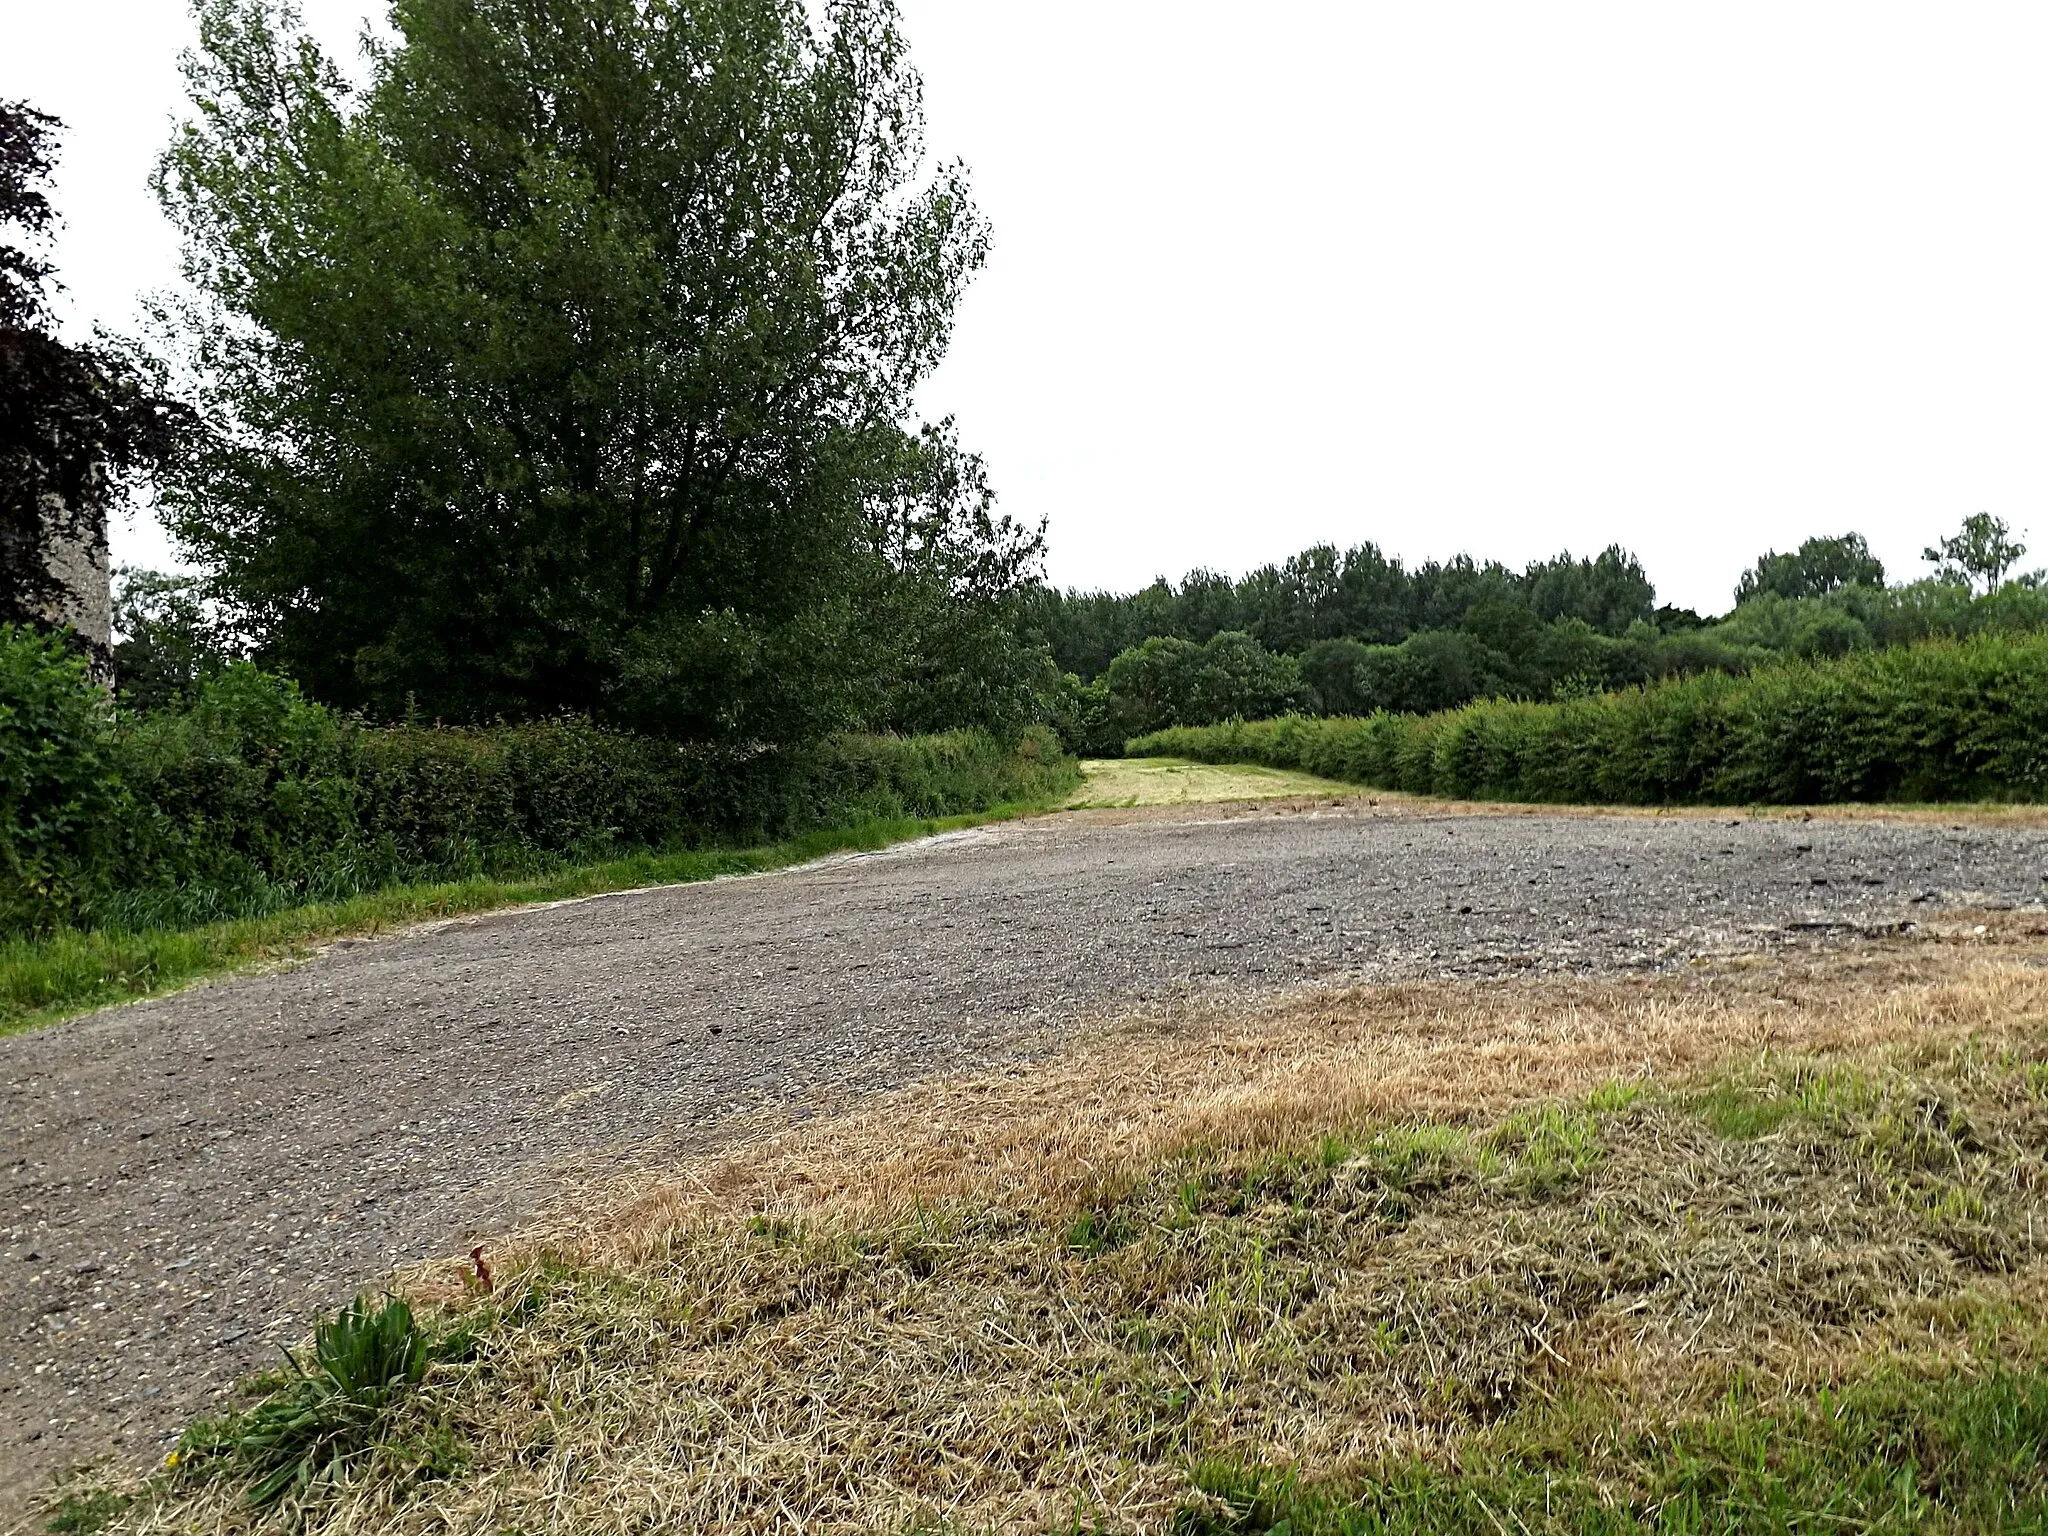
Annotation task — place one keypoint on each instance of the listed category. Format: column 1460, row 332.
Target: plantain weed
column 329, row 1412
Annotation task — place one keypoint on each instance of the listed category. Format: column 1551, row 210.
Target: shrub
column 59, row 797
column 1170, row 681
column 1088, row 722
column 254, row 798
column 1946, row 720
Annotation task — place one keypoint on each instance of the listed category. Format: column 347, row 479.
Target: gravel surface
column 189, row 1179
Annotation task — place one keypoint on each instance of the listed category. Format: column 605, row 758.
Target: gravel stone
column 189, row 1181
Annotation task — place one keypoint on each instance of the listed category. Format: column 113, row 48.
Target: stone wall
column 75, row 554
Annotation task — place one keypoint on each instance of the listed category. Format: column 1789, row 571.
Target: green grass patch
column 43, row 980
column 1962, row 1452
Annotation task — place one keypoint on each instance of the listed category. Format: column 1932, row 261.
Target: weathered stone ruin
column 54, row 570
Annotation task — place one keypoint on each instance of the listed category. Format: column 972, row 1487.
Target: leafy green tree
column 1377, row 596
column 1514, row 631
column 1087, row 719
column 566, row 364
column 1828, row 631
column 1816, row 568
column 1978, row 554
column 1156, row 683
column 1206, row 605
column 1308, row 601
column 1239, row 679
column 1332, row 668
column 59, row 794
column 168, row 638
column 1610, row 592
column 1086, row 631
column 1433, row 669
column 1443, row 592
column 1170, row 681
column 1317, row 597
column 956, row 578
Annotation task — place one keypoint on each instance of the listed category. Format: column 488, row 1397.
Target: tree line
column 1356, row 632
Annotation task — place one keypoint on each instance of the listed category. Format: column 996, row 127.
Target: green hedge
column 1945, row 720
column 255, row 798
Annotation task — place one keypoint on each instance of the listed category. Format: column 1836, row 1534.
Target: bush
column 1170, row 681
column 59, row 797
column 1946, row 720
column 1087, row 720
column 254, row 798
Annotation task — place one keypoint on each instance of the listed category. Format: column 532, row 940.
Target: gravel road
column 189, row 1179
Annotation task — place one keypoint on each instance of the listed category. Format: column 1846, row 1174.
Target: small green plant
column 1419, row 1157
column 1553, row 1148
column 1096, row 1232
column 1612, row 1098
column 1744, row 1113
column 85, row 1514
column 328, row 1413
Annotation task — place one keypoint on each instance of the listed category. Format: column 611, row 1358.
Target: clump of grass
column 327, row 1415
column 86, row 1511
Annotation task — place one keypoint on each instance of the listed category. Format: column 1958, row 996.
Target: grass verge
column 45, row 980
column 1895, row 1451
column 1759, row 1248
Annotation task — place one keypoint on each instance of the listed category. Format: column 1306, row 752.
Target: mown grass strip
column 44, row 980
column 1116, row 783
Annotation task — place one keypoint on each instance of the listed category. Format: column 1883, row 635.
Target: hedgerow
column 1944, row 720
column 254, row 798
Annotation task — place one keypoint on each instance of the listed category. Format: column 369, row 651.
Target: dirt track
column 189, row 1179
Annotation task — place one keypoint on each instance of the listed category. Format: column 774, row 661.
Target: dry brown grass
column 1284, row 1074
column 1336, row 1225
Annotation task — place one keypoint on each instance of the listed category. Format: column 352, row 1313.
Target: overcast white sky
column 1501, row 278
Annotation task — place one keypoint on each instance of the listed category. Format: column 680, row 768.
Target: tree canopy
column 75, row 422
column 1978, row 554
column 1816, row 568
column 1358, row 594
column 568, row 364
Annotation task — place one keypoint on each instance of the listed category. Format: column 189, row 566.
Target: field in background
column 1761, row 1247
column 1135, row 781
